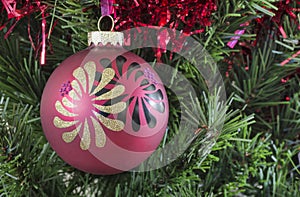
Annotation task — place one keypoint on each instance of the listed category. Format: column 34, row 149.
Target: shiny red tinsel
column 16, row 10
column 190, row 16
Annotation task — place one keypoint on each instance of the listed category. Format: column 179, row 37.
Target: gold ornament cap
column 106, row 37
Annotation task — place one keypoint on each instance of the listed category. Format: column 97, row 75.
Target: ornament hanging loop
column 106, row 23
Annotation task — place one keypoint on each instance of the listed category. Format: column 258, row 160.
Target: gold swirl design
column 82, row 85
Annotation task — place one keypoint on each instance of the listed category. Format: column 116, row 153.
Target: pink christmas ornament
column 104, row 110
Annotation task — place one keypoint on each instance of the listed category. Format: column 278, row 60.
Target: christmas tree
column 242, row 144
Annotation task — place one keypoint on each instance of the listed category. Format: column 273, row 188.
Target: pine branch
column 20, row 78
column 27, row 162
column 257, row 163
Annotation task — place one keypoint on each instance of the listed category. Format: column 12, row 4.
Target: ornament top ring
column 110, row 19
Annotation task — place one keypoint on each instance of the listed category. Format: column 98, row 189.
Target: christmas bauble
column 104, row 110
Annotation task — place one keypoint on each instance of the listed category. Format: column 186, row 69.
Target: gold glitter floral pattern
column 83, row 87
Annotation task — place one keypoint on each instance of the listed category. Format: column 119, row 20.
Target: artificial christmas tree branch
column 249, row 158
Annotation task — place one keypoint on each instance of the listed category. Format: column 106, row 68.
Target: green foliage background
column 256, row 153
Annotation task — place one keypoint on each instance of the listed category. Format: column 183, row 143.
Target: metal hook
column 112, row 22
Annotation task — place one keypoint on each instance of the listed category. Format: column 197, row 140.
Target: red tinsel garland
column 28, row 7
column 190, row 16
